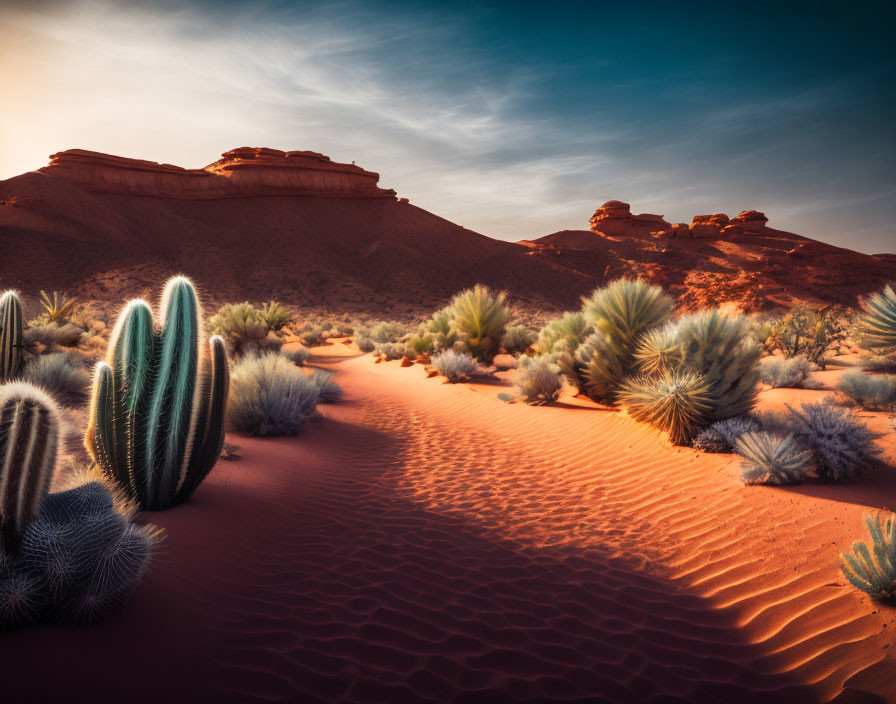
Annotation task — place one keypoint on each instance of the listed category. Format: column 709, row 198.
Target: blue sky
column 512, row 119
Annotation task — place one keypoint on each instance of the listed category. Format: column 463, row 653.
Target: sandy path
column 427, row 542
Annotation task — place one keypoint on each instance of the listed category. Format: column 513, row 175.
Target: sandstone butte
column 293, row 225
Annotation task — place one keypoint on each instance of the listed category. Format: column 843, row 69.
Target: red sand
column 427, row 542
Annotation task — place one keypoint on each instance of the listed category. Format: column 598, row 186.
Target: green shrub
column 785, row 373
column 874, row 571
column 871, row 391
column 441, row 327
column 297, row 355
column 517, row 339
column 390, row 350
column 722, row 435
column 59, row 373
column 842, row 446
column 275, row 316
column 771, row 459
column 805, row 332
column 455, row 366
column 387, row 332
column 677, row 402
column 417, row 345
column 878, row 322
column 481, row 317
column 270, row 396
column 242, row 326
column 571, row 328
column 539, row 380
column 659, row 351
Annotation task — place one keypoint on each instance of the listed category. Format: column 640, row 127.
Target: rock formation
column 242, row 172
column 615, row 218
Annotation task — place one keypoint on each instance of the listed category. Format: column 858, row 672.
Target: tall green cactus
column 10, row 335
column 29, row 439
column 157, row 410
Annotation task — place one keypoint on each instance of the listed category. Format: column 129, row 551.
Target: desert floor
column 428, row 542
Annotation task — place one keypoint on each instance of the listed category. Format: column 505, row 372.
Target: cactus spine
column 10, row 335
column 29, row 439
column 157, row 410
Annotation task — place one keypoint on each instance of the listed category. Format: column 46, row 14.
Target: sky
column 513, row 119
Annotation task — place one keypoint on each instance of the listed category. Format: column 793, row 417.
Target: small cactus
column 10, row 335
column 874, row 572
column 29, row 439
column 157, row 411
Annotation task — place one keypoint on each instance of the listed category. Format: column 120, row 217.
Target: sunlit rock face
column 243, row 172
column 615, row 218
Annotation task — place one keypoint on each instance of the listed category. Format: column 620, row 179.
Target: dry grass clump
column 871, row 391
column 455, row 366
column 539, row 380
column 785, row 373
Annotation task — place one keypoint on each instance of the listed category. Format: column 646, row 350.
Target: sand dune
column 427, row 542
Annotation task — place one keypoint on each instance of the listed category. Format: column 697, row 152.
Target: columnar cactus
column 157, row 410
column 29, row 439
column 10, row 335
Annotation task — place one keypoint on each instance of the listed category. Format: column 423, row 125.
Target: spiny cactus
column 771, row 459
column 620, row 314
column 29, row 439
column 481, row 317
column 10, row 335
column 678, row 402
column 878, row 322
column 722, row 349
column 659, row 351
column 874, row 571
column 157, row 410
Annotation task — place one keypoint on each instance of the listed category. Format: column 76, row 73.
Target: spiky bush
column 455, row 366
column 270, row 396
column 417, row 345
column 871, row 391
column 60, row 373
column 56, row 308
column 842, row 446
column 328, row 391
column 785, row 373
column 678, row 402
column 874, row 570
column 771, row 459
column 517, row 339
column 390, row 350
column 620, row 314
column 722, row 349
column 11, row 339
column 878, row 322
column 481, row 317
column 53, row 336
column 571, row 328
column 659, row 351
column 441, row 327
column 539, row 380
column 275, row 315
column 297, row 355
column 722, row 435
column 241, row 325
column 387, row 332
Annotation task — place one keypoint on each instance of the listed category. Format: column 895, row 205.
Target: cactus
column 878, row 322
column 10, row 335
column 678, row 402
column 157, row 410
column 29, row 439
column 874, row 573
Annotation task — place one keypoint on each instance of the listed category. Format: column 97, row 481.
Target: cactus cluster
column 10, row 335
column 157, row 410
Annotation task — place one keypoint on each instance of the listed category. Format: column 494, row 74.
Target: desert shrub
column 328, row 391
column 441, row 327
column 241, row 325
column 390, row 350
column 678, row 402
column 60, row 373
column 455, row 366
column 785, row 373
column 539, row 380
column 620, row 314
column 56, row 308
column 841, row 445
column 721, row 348
column 481, row 317
column 517, row 339
column 771, row 459
column 659, row 351
column 874, row 571
column 53, row 335
column 871, row 391
column 880, row 365
column 275, row 315
column 297, row 355
column 806, row 332
column 878, row 322
column 270, row 396
column 417, row 345
column 722, row 435
column 387, row 332
column 571, row 328
column 313, row 335
column 364, row 343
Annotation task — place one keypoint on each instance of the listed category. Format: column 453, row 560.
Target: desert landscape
column 543, row 353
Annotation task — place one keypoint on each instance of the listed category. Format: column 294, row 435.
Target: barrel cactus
column 10, row 335
column 29, row 439
column 157, row 410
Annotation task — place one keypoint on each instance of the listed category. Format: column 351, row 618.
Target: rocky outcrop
column 615, row 218
column 718, row 225
column 243, row 172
